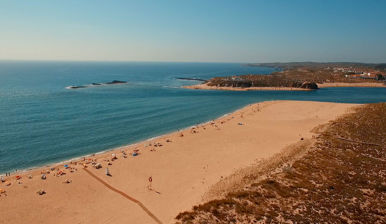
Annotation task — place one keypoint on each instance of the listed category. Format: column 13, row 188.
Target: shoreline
column 110, row 150
column 183, row 167
column 115, row 149
column 354, row 84
column 204, row 86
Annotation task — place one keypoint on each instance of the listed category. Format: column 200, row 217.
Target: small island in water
column 302, row 76
column 114, row 82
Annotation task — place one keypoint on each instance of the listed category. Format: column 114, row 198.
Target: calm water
column 42, row 122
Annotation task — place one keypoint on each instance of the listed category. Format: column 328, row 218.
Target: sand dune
column 183, row 169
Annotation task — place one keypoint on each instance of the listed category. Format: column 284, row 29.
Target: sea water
column 42, row 122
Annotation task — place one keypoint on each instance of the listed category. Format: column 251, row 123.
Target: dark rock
column 192, row 79
column 77, row 87
column 116, row 82
column 309, row 85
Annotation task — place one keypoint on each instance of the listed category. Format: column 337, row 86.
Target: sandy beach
column 320, row 85
column 183, row 166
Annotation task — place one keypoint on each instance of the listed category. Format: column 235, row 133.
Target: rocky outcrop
column 116, row 82
column 261, row 81
column 192, row 79
column 94, row 84
column 309, row 85
column 76, row 87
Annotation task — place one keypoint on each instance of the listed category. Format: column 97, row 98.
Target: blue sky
column 198, row 31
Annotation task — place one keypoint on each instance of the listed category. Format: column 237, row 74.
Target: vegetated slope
column 305, row 75
column 274, row 80
column 341, row 180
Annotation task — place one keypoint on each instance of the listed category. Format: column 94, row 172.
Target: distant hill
column 289, row 65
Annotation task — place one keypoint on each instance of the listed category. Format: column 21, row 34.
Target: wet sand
column 183, row 165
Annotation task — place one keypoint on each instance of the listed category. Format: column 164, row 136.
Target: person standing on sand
column 150, row 180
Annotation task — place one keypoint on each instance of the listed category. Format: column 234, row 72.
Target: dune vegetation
column 341, row 179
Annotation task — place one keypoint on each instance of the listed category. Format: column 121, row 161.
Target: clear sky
column 196, row 30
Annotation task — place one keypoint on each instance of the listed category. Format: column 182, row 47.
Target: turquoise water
column 42, row 122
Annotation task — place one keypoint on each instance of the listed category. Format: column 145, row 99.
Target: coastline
column 264, row 126
column 204, row 86
column 359, row 84
column 108, row 151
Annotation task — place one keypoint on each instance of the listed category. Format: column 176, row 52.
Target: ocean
column 42, row 122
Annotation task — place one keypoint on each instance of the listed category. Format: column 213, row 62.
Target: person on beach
column 150, row 181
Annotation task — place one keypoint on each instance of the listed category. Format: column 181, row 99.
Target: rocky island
column 94, row 84
column 115, row 82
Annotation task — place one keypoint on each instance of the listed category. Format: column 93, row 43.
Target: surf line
column 124, row 195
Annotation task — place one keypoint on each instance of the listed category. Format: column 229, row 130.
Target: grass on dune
column 341, row 180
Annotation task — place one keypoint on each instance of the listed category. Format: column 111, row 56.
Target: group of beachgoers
column 96, row 163
column 72, row 167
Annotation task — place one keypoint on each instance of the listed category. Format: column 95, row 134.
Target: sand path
column 124, row 195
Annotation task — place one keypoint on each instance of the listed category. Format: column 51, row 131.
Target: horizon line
column 219, row 62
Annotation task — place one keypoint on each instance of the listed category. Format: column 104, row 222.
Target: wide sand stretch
column 183, row 166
